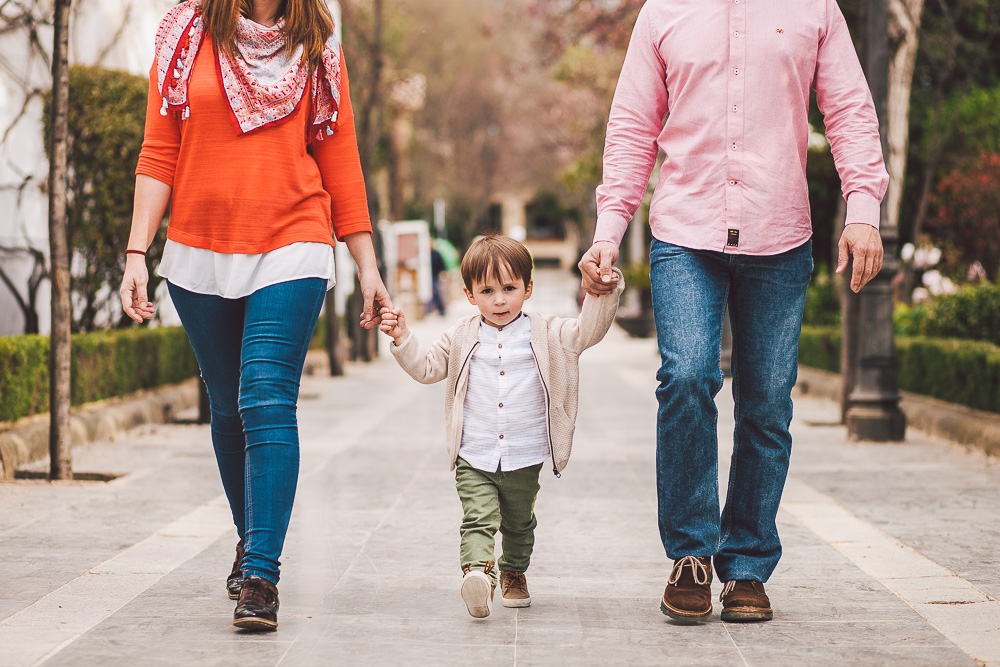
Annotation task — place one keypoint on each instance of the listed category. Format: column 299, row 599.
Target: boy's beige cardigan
column 556, row 343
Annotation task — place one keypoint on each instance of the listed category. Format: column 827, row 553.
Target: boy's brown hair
column 488, row 254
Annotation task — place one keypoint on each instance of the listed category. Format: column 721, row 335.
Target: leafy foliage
column 104, row 365
column 971, row 313
column 966, row 215
column 958, row 371
column 107, row 115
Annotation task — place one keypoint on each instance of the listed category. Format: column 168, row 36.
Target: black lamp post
column 873, row 411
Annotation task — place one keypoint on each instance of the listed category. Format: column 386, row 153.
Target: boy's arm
column 595, row 318
column 426, row 365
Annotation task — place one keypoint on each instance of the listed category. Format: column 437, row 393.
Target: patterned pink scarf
column 264, row 88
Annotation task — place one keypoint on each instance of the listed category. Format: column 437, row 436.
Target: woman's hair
column 488, row 255
column 307, row 22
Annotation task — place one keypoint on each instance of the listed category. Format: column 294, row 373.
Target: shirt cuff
column 610, row 227
column 864, row 208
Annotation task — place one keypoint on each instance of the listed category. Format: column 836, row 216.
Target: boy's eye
column 487, row 290
column 509, row 288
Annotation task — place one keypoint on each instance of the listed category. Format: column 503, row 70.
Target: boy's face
column 499, row 299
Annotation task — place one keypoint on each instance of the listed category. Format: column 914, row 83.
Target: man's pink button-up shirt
column 722, row 87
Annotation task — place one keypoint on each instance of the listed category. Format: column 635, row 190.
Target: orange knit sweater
column 253, row 193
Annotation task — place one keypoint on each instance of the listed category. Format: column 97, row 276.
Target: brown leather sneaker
column 514, row 589
column 477, row 591
column 745, row 601
column 257, row 609
column 234, row 582
column 688, row 595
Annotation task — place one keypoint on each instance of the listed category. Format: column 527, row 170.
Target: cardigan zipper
column 548, row 412
column 458, row 378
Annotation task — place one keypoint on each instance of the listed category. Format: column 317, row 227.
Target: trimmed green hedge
column 958, row 371
column 104, row 364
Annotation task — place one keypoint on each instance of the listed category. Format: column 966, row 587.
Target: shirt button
column 501, row 372
column 501, row 436
column 736, row 71
column 732, row 182
column 735, row 108
column 736, row 34
column 499, row 344
column 501, row 405
column 734, row 146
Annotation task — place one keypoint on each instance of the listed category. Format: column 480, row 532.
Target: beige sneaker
column 514, row 589
column 477, row 591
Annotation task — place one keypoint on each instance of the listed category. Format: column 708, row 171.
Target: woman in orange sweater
column 250, row 139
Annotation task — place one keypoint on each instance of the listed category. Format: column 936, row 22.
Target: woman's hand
column 376, row 298
column 133, row 291
column 372, row 289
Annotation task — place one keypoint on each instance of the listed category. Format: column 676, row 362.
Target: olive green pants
column 492, row 501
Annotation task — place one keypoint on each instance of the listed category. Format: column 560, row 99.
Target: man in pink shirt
column 722, row 88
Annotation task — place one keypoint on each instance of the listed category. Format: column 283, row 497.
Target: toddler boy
column 510, row 405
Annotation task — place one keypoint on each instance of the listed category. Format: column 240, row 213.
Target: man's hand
column 595, row 267
column 863, row 242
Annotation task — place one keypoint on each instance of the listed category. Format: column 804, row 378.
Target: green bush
column 822, row 302
column 958, row 371
column 971, row 313
column 103, row 364
column 819, row 347
column 24, row 376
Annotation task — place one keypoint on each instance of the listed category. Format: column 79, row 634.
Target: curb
column 27, row 439
column 957, row 423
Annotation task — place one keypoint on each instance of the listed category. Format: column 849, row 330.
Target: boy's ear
column 527, row 289
column 469, row 296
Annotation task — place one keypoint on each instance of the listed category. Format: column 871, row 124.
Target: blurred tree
column 106, row 121
column 965, row 216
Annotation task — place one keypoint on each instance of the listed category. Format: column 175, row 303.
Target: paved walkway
column 891, row 551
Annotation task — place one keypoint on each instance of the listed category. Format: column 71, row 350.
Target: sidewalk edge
column 27, row 439
column 957, row 423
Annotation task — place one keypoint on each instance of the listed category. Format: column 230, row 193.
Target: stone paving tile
column 921, row 656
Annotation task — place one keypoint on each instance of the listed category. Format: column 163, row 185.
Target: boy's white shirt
column 556, row 342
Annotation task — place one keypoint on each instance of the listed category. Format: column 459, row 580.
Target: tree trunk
column 60, row 456
column 332, row 321
column 904, row 27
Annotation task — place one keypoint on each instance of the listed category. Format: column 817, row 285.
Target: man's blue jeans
column 251, row 351
column 766, row 295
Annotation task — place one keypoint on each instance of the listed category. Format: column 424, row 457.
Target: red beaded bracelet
column 135, row 252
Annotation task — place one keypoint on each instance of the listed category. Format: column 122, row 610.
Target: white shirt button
column 734, row 145
column 735, row 108
column 732, row 182
column 736, row 34
column 736, row 71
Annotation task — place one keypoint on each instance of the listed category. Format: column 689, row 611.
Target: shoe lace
column 698, row 570
column 731, row 584
column 515, row 581
column 256, row 592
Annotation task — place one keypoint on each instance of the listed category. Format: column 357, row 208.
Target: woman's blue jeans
column 766, row 295
column 251, row 351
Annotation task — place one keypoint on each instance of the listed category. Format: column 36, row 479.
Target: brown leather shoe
column 745, row 601
column 257, row 609
column 514, row 589
column 234, row 582
column 688, row 595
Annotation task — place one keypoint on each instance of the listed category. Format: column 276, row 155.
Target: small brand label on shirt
column 734, row 238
